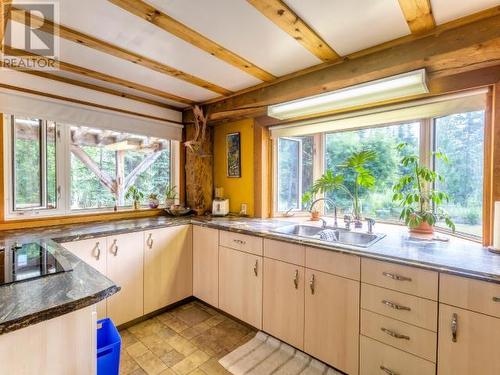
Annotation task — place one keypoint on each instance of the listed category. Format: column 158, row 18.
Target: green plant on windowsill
column 136, row 195
column 415, row 192
column 170, row 195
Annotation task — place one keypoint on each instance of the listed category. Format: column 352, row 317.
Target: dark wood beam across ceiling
column 19, row 15
column 174, row 27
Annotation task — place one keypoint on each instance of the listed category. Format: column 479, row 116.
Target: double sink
column 331, row 234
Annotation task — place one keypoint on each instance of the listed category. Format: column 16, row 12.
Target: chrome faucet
column 329, row 202
column 371, row 223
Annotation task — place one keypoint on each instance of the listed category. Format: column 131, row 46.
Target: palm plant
column 136, row 195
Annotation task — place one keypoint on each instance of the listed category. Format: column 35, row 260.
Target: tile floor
column 189, row 339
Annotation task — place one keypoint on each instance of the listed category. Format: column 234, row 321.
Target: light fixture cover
column 398, row 86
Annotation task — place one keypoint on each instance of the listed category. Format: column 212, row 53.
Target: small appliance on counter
column 220, row 206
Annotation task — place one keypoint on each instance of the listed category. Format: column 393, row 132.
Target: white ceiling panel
column 350, row 26
column 105, row 21
column 448, row 10
column 239, row 27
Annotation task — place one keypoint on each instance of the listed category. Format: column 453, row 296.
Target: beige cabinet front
column 469, row 342
column 206, row 264
column 125, row 268
column 92, row 252
column 283, row 303
column 240, row 285
column 168, row 272
column 332, row 320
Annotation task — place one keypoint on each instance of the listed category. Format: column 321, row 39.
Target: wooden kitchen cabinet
column 125, row 268
column 92, row 252
column 168, row 266
column 283, row 302
column 331, row 331
column 206, row 264
column 240, row 285
column 477, row 344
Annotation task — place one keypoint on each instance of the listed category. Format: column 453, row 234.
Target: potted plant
column 154, row 202
column 307, row 198
column 136, row 195
column 416, row 193
column 170, row 195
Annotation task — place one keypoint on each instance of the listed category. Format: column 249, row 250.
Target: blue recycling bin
column 109, row 344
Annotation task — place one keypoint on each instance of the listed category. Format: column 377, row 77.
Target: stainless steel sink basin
column 342, row 236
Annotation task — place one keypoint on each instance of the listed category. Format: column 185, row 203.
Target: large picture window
column 460, row 136
column 62, row 169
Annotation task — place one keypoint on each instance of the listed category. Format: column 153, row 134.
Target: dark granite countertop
column 30, row 302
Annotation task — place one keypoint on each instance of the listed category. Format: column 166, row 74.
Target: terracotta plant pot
column 423, row 228
column 315, row 215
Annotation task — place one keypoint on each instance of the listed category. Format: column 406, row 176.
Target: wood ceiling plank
column 286, row 19
column 103, row 89
column 418, row 14
column 102, row 77
column 174, row 27
column 100, row 45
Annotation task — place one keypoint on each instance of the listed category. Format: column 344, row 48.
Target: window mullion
column 43, row 163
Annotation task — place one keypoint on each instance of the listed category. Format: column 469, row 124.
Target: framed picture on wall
column 233, row 149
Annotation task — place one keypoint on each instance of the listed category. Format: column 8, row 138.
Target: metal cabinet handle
column 496, row 299
column 98, row 250
column 387, row 371
column 115, row 253
column 241, row 242
column 454, row 327
column 311, row 283
column 255, row 267
column 395, row 334
column 296, row 279
column 395, row 306
column 396, row 276
column 149, row 241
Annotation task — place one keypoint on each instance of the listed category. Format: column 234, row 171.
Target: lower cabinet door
column 125, row 268
column 240, row 285
column 332, row 320
column 283, row 302
column 168, row 266
column 206, row 264
column 469, row 342
column 92, row 252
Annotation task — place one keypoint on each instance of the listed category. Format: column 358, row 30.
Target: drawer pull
column 241, row 242
column 454, row 327
column 496, row 299
column 296, row 279
column 387, row 371
column 396, row 276
column 394, row 334
column 395, row 306
column 98, row 250
column 149, row 242
column 311, row 284
column 255, row 267
column 115, row 253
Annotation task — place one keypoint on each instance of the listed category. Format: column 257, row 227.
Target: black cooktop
column 28, row 261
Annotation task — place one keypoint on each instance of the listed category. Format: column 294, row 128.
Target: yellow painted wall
column 238, row 190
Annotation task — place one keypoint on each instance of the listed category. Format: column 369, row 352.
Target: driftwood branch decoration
column 200, row 125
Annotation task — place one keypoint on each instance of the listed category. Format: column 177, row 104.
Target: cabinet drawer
column 286, row 252
column 242, row 242
column 411, row 280
column 406, row 337
column 410, row 309
column 332, row 262
column 470, row 294
column 381, row 359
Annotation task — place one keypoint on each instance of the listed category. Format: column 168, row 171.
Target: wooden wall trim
column 262, row 187
column 494, row 195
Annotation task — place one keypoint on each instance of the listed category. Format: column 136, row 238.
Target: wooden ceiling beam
column 418, row 15
column 287, row 20
column 89, row 41
column 102, row 76
column 467, row 47
column 174, row 27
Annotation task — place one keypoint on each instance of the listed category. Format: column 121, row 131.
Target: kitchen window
column 459, row 135
column 58, row 169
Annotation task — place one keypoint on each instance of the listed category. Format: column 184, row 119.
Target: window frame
column 63, row 176
column 427, row 146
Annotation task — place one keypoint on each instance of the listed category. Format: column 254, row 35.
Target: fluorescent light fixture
column 398, row 86
column 121, row 146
